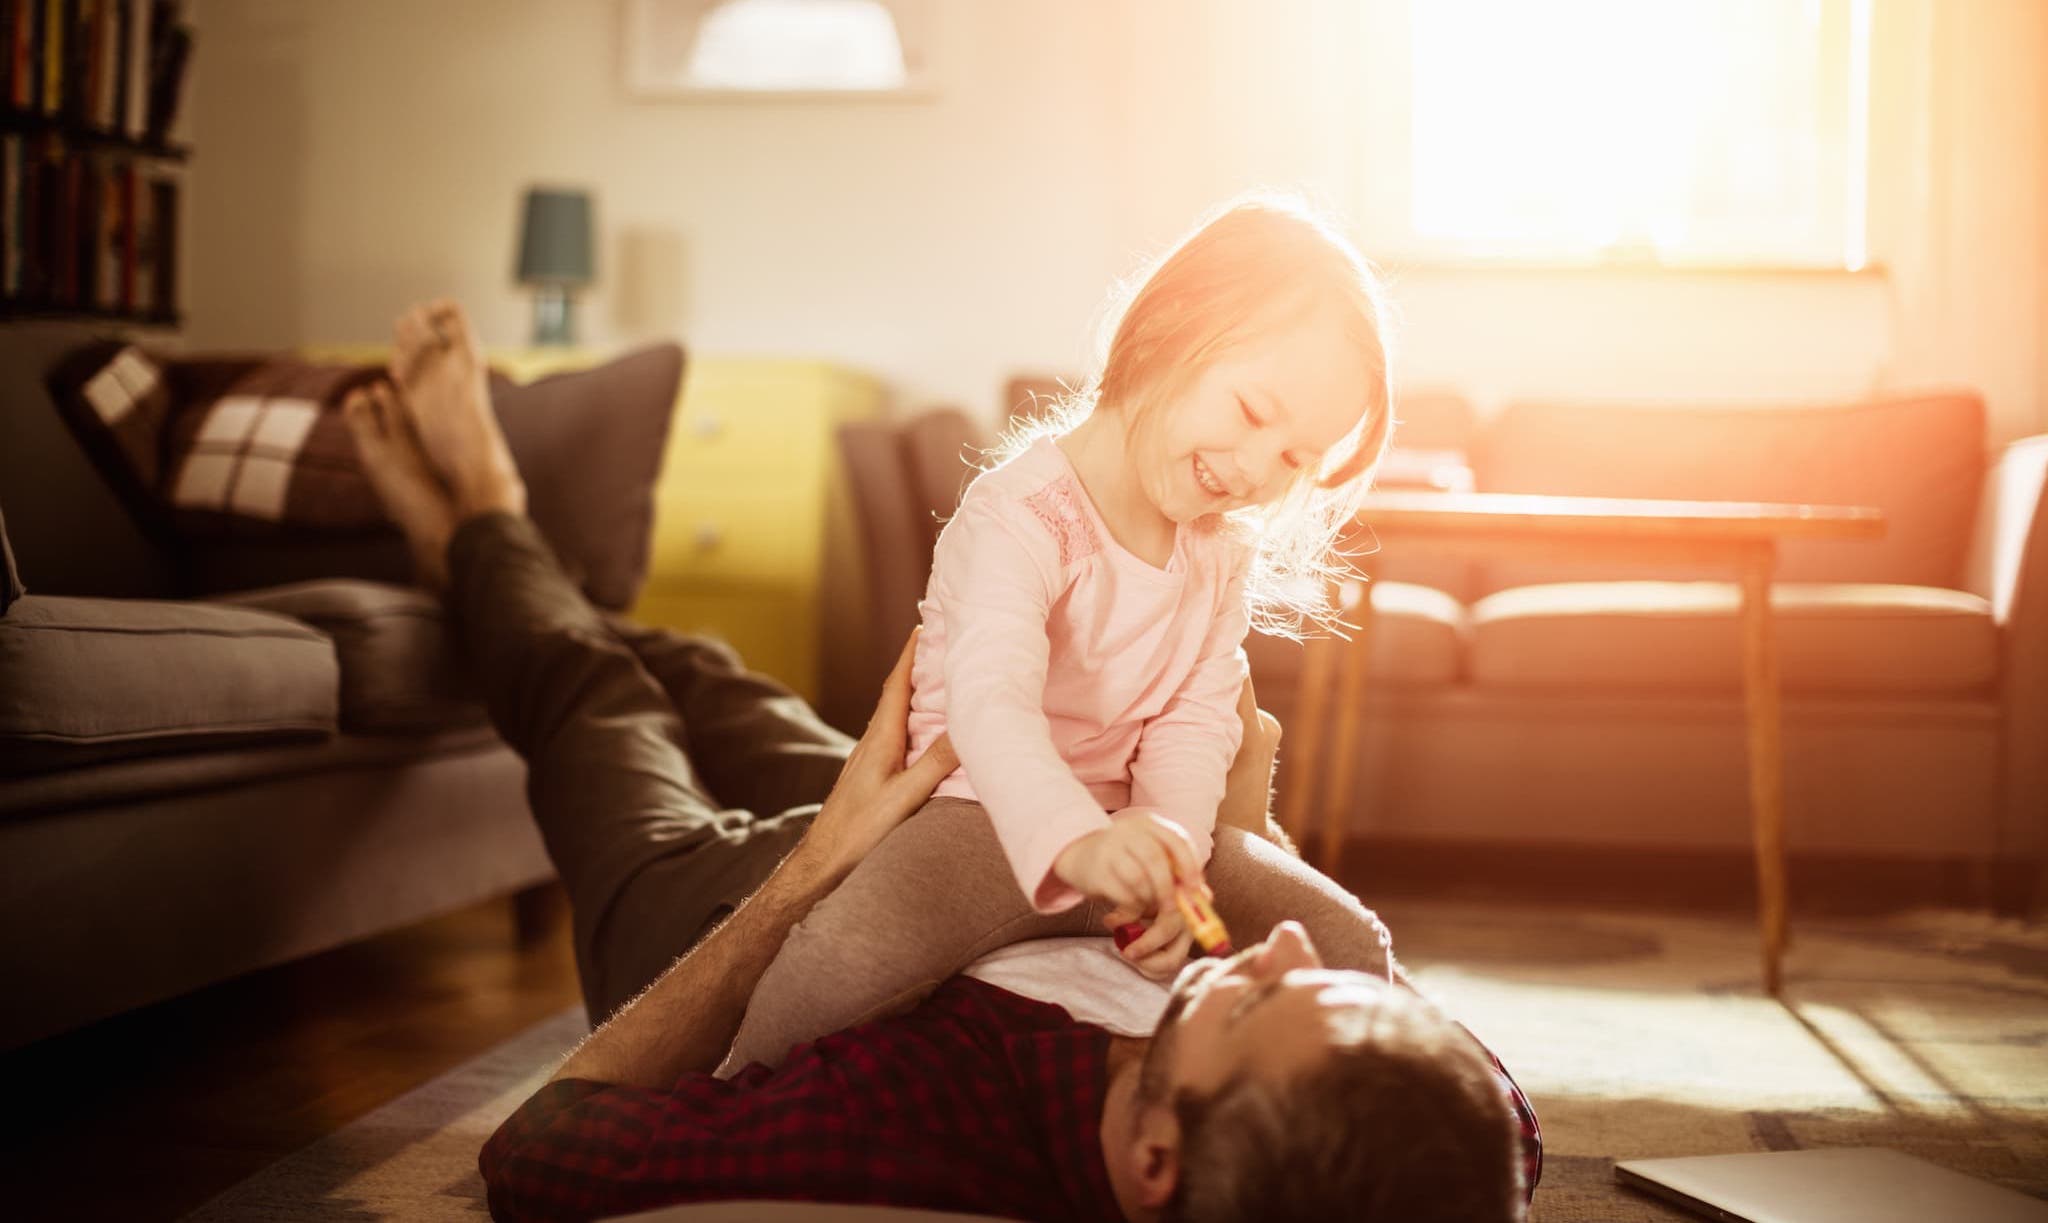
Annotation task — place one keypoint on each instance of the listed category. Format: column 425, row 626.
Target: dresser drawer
column 723, row 532
column 774, row 631
column 762, row 418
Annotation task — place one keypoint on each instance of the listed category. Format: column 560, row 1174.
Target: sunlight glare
column 1619, row 128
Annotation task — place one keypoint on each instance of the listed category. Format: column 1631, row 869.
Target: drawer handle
column 708, row 536
column 707, row 426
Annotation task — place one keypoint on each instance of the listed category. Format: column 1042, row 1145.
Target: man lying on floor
column 1261, row 1086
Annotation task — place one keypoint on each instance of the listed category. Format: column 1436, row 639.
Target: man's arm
column 686, row 1019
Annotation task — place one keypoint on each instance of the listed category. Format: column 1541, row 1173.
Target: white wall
column 354, row 156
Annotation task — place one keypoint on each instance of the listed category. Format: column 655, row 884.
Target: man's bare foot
column 413, row 495
column 439, row 366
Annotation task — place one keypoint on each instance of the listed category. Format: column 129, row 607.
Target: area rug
column 1635, row 1035
column 414, row 1158
column 1638, row 1037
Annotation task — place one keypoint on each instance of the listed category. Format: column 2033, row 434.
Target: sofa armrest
column 2009, row 567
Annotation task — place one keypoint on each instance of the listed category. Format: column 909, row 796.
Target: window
column 1619, row 131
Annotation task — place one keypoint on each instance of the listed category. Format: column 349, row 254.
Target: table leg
column 1766, row 759
column 1344, row 749
column 1304, row 739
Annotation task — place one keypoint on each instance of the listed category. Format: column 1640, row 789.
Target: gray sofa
column 212, row 786
column 1547, row 711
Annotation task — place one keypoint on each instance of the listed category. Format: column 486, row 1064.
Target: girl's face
column 1242, row 431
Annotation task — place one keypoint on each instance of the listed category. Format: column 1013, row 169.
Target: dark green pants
column 667, row 779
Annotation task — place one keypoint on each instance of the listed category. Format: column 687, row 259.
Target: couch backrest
column 1919, row 459
column 71, row 534
column 943, row 450
column 861, row 639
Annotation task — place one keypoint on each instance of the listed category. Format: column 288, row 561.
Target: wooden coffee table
column 1743, row 537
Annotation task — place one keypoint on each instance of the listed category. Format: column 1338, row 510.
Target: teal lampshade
column 554, row 240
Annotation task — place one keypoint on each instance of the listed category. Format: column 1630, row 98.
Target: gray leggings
column 937, row 894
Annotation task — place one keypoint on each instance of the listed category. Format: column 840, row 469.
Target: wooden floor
column 150, row 1114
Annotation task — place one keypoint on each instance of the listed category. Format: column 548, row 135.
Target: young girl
column 1083, row 631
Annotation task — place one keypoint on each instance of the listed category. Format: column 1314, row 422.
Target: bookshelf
column 90, row 183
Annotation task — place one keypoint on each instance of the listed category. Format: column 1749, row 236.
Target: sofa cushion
column 400, row 670
column 1674, row 636
column 88, row 679
column 245, row 461
column 1920, row 460
column 1418, row 637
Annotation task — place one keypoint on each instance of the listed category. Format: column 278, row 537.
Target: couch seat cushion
column 1831, row 637
column 88, row 679
column 400, row 670
column 1418, row 637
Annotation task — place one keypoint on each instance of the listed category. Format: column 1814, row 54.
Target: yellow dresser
column 752, row 523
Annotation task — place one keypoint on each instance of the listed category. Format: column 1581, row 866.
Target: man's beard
column 1155, row 1073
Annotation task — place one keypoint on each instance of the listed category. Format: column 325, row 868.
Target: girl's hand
column 1135, row 863
column 1162, row 951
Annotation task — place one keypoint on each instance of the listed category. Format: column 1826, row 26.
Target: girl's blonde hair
column 1251, row 257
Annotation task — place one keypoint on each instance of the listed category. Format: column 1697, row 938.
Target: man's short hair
column 1410, row 1126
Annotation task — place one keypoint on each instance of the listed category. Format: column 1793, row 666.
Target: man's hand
column 875, row 791
column 1135, row 863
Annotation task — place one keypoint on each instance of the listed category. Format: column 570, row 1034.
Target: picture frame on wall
column 777, row 50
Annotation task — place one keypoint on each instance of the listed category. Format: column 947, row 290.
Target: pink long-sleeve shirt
column 1075, row 679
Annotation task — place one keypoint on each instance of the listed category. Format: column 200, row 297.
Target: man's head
column 1278, row 1089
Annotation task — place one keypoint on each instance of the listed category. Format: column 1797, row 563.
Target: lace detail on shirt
column 1058, row 506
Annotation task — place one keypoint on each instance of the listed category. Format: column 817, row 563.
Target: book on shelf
column 52, row 58
column 163, row 299
column 88, row 224
column 10, row 199
column 77, row 55
column 106, row 66
column 171, row 51
column 24, row 87
column 92, row 38
column 143, row 241
column 86, row 234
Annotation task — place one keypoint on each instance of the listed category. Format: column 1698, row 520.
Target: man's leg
column 648, row 856
column 755, row 743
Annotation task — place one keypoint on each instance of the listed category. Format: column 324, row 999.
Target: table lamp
column 555, row 258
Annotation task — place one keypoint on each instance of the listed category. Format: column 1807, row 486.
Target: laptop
column 1847, row 1185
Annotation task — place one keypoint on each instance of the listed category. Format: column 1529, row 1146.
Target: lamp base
column 554, row 317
